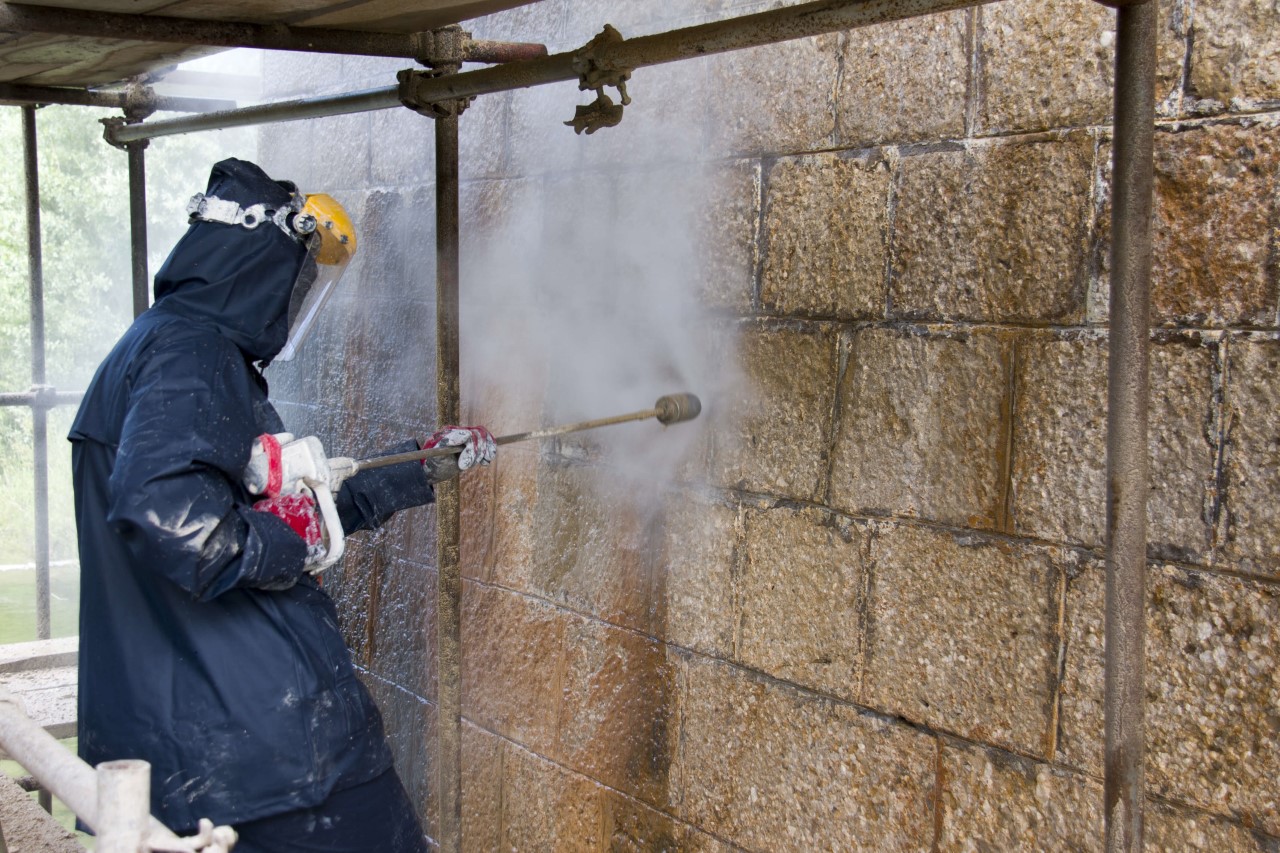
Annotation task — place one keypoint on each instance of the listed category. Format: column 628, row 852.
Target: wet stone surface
column 1253, row 457
column 1212, row 690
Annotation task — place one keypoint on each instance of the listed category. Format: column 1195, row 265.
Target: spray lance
column 283, row 464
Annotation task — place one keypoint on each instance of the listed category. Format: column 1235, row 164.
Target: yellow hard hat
column 333, row 228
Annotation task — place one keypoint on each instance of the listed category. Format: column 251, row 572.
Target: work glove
column 478, row 447
column 299, row 511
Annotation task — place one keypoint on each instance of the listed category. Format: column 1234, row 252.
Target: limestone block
column 905, row 81
column 801, row 598
column 481, row 789
column 694, row 583
column 402, row 629
column 992, row 800
column 484, row 137
column 1215, row 226
column 1059, row 443
column 632, row 827
column 402, row 148
column 512, row 653
column 594, row 548
column 546, row 808
column 773, row 435
column 920, row 424
column 796, row 79
column 726, row 226
column 825, row 233
column 1046, row 65
column 1235, row 55
column 962, row 635
column 618, row 716
column 411, row 731
column 497, row 513
column 1173, row 830
column 768, row 767
column 997, row 232
column 1253, row 456
column 1212, row 646
column 289, row 152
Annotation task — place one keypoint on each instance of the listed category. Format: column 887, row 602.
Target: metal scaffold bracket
column 139, row 105
column 444, row 51
column 594, row 74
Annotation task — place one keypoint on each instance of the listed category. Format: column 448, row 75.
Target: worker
column 206, row 647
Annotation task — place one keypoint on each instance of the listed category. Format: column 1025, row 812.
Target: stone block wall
column 867, row 611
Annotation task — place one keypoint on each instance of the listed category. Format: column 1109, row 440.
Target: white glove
column 477, row 446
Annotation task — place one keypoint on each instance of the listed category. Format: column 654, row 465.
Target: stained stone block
column 795, row 79
column 1214, row 228
column 825, row 233
column 962, row 635
column 992, row 800
column 695, row 578
column 594, row 547
column 919, row 429
column 1059, row 444
column 481, row 789
column 632, row 827
column 618, row 716
column 768, row 767
column 1173, row 829
column 997, row 232
column 773, row 436
column 512, row 652
column 905, row 81
column 725, row 229
column 800, row 595
column 547, row 808
column 1048, row 65
column 402, row 641
column 1253, row 456
column 497, row 515
column 1212, row 648
column 1235, row 55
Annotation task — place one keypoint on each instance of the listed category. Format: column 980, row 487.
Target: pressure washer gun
column 282, row 464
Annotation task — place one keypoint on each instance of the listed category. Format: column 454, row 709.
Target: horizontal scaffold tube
column 776, row 25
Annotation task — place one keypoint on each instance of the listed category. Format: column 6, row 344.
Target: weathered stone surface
column 904, row 81
column 512, row 654
column 1172, row 830
column 402, row 629
column 962, row 634
column 1059, row 443
column 825, row 236
column 545, row 145
column 996, row 232
column 290, row 152
column 725, row 230
column 545, row 807
column 798, row 80
column 658, row 127
column 801, row 598
column 618, row 716
column 594, row 547
column 1213, row 654
column 695, row 577
column 411, row 732
column 631, row 827
column 497, row 536
column 1046, row 65
column 1214, row 228
column 1235, row 55
column 773, row 438
column 484, row 150
column 402, row 149
column 1253, row 457
column 920, row 425
column 771, row 768
column 992, row 800
column 481, row 789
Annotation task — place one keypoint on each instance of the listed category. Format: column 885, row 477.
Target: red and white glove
column 298, row 510
column 478, row 447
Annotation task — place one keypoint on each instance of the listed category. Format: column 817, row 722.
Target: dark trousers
column 375, row 817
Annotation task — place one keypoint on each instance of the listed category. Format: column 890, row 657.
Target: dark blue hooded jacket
column 243, row 699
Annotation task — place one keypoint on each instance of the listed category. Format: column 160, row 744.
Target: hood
column 237, row 279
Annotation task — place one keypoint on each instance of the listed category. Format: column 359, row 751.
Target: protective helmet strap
column 289, row 218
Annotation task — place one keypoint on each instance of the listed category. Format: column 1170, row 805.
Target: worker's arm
column 368, row 499
column 176, row 497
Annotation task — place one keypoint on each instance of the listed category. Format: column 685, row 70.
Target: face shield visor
column 331, row 244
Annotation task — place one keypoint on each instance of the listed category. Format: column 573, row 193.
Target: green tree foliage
column 84, row 213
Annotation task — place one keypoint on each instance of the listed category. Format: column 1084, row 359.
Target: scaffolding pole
column 138, row 223
column 1127, row 402
column 763, row 28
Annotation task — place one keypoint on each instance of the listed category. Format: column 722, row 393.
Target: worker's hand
column 298, row 510
column 478, row 447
